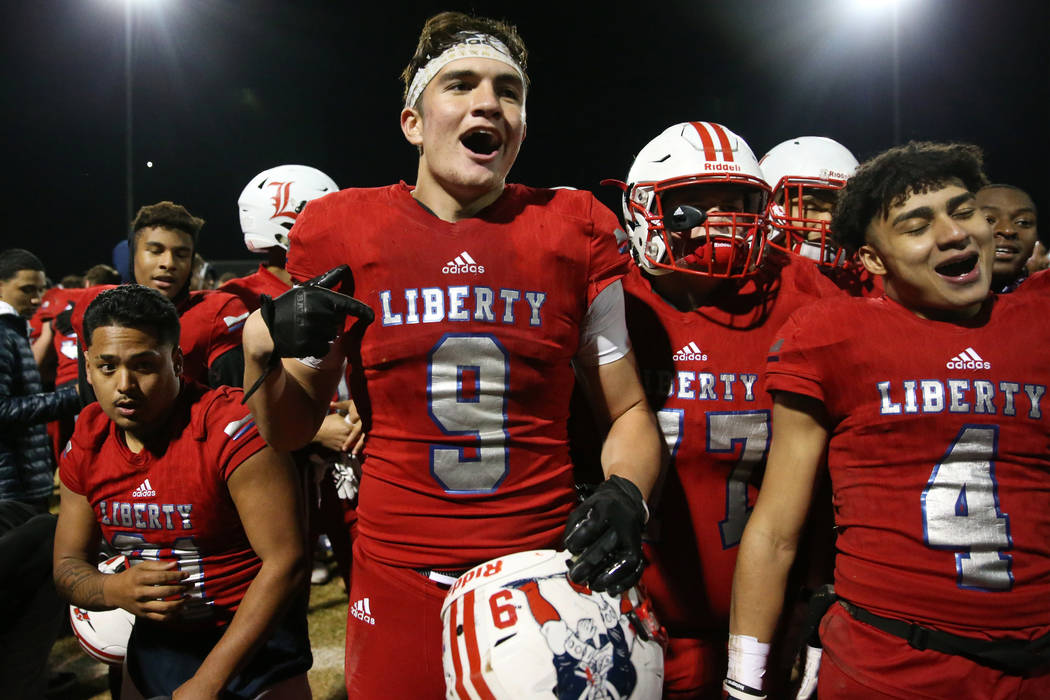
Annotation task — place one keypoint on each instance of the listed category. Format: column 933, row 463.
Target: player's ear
column 176, row 359
column 412, row 125
column 871, row 259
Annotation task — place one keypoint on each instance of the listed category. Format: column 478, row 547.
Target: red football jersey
column 1039, row 282
column 54, row 302
column 210, row 325
column 249, row 287
column 174, row 505
column 855, row 281
column 703, row 373
column 464, row 378
column 938, row 456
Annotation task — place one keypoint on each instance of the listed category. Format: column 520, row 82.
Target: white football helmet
column 104, row 634
column 270, row 203
column 694, row 154
column 792, row 167
column 515, row 628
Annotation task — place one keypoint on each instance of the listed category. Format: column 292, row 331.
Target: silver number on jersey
column 467, row 381
column 187, row 557
column 960, row 511
column 725, row 431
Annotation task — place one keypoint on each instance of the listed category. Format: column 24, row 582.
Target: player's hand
column 305, row 319
column 63, row 322
column 152, row 589
column 810, row 670
column 196, row 689
column 605, row 535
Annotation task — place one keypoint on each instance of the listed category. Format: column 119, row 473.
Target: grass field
column 327, row 629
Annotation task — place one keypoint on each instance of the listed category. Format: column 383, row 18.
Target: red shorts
column 694, row 668
column 393, row 633
column 861, row 662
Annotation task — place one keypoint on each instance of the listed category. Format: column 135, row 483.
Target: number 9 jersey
column 464, row 378
column 938, row 456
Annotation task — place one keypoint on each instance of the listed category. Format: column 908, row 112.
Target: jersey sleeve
column 315, row 242
column 227, row 326
column 791, row 364
column 232, row 432
column 607, row 264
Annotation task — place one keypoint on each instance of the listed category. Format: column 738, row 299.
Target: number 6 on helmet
column 516, row 628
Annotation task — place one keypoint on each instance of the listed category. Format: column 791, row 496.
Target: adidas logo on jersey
column 968, row 359
column 363, row 611
column 690, row 352
column 145, row 490
column 462, row 264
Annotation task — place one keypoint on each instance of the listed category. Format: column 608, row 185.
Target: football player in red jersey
column 703, row 302
column 162, row 242
column 930, row 407
column 176, row 477
column 485, row 296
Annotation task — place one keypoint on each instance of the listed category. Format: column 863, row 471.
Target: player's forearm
column 759, row 581
column 286, row 413
column 632, row 448
column 266, row 599
column 80, row 583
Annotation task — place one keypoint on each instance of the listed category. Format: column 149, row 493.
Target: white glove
column 810, row 670
column 344, row 471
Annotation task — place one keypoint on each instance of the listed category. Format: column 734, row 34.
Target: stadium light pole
column 894, row 7
column 129, row 177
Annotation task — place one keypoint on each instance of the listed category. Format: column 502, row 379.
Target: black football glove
column 605, row 535
column 303, row 320
column 63, row 322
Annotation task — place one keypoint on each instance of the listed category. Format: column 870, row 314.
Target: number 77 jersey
column 702, row 371
column 464, row 378
column 938, row 457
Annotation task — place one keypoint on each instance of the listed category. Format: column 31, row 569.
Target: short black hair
column 892, row 176
column 133, row 306
column 165, row 215
column 1015, row 188
column 14, row 260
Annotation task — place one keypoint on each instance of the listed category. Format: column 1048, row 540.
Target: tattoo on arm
column 81, row 584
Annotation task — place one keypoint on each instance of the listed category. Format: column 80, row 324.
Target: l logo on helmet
column 282, row 200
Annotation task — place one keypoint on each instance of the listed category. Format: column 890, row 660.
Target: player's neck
column 280, row 273
column 448, row 205
column 684, row 291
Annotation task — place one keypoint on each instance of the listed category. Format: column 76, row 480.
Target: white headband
column 470, row 45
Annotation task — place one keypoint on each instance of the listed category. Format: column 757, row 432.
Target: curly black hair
column 889, row 178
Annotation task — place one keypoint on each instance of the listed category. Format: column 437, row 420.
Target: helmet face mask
column 797, row 225
column 727, row 243
column 271, row 202
column 706, row 166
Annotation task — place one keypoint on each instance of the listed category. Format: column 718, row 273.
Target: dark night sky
column 224, row 89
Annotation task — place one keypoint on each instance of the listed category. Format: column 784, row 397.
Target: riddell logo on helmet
column 968, row 359
column 462, row 264
column 481, row 571
column 730, row 167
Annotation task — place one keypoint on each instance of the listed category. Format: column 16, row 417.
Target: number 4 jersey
column 174, row 504
column 938, row 456
column 464, row 378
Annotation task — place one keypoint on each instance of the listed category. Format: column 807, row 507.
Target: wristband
column 747, row 661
